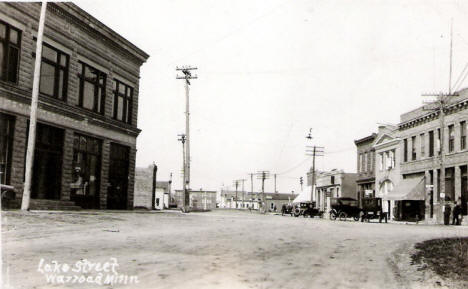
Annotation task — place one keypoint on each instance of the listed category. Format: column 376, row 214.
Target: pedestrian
column 456, row 214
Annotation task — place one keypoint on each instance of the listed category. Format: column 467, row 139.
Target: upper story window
column 451, row 138
column 405, row 150
column 10, row 46
column 422, row 145
column 463, row 135
column 431, row 143
column 54, row 72
column 382, row 160
column 123, row 95
column 413, row 148
column 364, row 165
column 92, row 88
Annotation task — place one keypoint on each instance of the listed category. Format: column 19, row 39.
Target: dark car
column 344, row 208
column 307, row 209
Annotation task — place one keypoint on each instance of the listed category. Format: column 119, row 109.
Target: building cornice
column 430, row 116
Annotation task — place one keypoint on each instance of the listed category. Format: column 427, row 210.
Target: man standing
column 456, row 213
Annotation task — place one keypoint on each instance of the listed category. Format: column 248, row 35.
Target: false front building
column 88, row 103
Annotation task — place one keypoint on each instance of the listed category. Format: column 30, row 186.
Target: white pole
column 33, row 118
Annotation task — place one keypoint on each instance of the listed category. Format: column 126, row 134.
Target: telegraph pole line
column 313, row 151
column 275, row 183
column 185, row 195
column 440, row 106
column 236, row 183
column 186, row 70
column 243, row 193
column 251, row 187
column 33, row 118
column 263, row 175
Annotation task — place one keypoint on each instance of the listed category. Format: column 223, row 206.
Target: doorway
column 118, row 177
column 47, row 166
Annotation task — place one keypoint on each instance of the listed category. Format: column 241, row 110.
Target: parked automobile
column 287, row 209
column 372, row 209
column 308, row 209
column 344, row 208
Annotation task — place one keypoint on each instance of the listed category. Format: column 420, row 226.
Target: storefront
column 405, row 201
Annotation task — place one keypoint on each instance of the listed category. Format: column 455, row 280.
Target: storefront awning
column 411, row 189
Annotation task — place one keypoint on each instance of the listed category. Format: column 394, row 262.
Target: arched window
column 386, row 187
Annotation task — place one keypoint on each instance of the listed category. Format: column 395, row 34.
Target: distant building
column 334, row 184
column 273, row 201
column 87, row 116
column 365, row 166
column 199, row 200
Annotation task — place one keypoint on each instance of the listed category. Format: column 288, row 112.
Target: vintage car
column 307, row 209
column 287, row 209
column 372, row 209
column 344, row 208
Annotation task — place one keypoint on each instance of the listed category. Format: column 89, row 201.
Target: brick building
column 365, row 166
column 420, row 152
column 88, row 103
column 387, row 171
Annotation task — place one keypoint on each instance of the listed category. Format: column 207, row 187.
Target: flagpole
column 33, row 117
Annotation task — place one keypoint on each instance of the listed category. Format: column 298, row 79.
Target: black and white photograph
column 248, row 144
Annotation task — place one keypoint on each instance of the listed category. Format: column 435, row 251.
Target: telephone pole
column 440, row 106
column 313, row 151
column 243, row 193
column 251, row 187
column 33, row 117
column 275, row 183
column 236, row 184
column 263, row 175
column 185, row 195
column 186, row 70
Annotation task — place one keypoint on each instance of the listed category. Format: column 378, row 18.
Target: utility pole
column 236, row 183
column 251, row 187
column 301, row 181
column 155, row 170
column 263, row 175
column 243, row 194
column 186, row 70
column 313, row 151
column 33, row 118
column 185, row 195
column 440, row 106
column 275, row 184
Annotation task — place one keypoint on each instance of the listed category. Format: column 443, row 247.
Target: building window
column 405, row 150
column 463, row 135
column 382, row 161
column 54, row 72
column 86, row 171
column 332, row 180
column 10, row 46
column 92, row 88
column 422, row 145
column 451, row 138
column 431, row 143
column 6, row 142
column 413, row 148
column 122, row 106
column 360, row 163
column 364, row 167
column 438, row 141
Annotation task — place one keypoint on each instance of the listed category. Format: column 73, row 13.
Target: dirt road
column 219, row 249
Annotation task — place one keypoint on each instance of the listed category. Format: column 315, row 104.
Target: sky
column 268, row 71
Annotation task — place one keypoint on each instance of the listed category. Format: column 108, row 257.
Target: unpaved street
column 219, row 249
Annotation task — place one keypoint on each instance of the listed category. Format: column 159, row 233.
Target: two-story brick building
column 88, row 107
column 420, row 152
column 365, row 166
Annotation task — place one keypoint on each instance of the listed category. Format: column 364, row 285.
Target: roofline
column 367, row 138
column 103, row 29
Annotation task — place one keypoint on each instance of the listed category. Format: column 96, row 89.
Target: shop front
column 406, row 201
